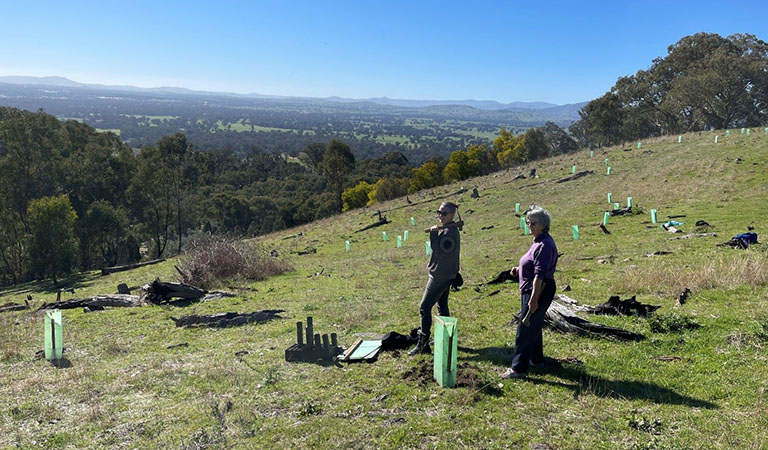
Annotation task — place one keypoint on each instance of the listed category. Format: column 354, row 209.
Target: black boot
column 422, row 346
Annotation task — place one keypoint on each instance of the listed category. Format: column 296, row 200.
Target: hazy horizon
column 560, row 53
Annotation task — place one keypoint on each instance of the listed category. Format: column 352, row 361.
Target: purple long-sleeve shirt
column 540, row 260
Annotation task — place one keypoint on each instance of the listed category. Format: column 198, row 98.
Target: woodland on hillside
column 72, row 197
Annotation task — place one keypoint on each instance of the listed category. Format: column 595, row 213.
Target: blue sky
column 558, row 52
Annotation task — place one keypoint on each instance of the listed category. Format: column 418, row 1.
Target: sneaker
column 510, row 373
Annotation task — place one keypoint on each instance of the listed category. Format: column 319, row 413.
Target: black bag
column 458, row 281
column 396, row 341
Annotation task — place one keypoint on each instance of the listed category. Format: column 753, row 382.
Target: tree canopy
column 705, row 82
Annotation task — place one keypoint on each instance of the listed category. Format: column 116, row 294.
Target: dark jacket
column 444, row 261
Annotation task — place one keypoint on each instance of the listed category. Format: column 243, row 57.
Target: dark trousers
column 528, row 344
column 435, row 292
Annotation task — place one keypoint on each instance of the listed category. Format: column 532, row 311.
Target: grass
column 241, row 126
column 117, row 131
column 126, row 388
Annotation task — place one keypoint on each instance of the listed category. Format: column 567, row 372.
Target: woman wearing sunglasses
column 537, row 289
column 443, row 267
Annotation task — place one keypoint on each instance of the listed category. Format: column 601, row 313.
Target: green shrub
column 673, row 323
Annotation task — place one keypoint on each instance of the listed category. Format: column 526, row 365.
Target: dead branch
column 159, row 292
column 575, row 176
column 615, row 306
column 108, row 270
column 382, row 221
column 97, row 301
column 13, row 307
column 225, row 320
column 562, row 318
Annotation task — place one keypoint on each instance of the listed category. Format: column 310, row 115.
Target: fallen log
column 109, row 270
column 576, row 176
column 503, row 276
column 217, row 295
column 97, row 301
column 615, row 307
column 621, row 211
column 517, row 177
column 382, row 221
column 563, row 319
column 695, row 235
column 225, row 320
column 159, row 292
column 8, row 307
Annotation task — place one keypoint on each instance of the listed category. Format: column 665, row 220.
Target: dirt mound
column 467, row 376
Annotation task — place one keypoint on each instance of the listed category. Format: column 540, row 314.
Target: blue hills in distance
column 489, row 105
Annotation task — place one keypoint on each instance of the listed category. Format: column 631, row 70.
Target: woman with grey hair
column 536, row 273
column 443, row 267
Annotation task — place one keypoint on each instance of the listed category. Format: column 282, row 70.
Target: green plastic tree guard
column 608, row 172
column 522, row 223
column 405, row 235
column 428, row 248
column 606, row 161
column 526, row 230
column 399, row 241
column 53, row 335
column 573, row 169
column 748, row 130
column 591, row 153
column 766, row 130
column 446, row 346
column 517, row 208
column 346, row 245
column 610, row 198
column 639, row 145
column 742, row 131
column 413, row 221
column 727, row 133
column 575, row 229
column 679, row 139
column 716, row 139
column 606, row 216
column 629, row 202
column 616, row 206
column 384, row 236
column 653, row 216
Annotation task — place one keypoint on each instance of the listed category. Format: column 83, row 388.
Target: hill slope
column 232, row 388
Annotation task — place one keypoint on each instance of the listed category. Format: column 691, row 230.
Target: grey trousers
column 435, row 292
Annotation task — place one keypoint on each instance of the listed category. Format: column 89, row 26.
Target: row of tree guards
column 400, row 240
column 746, row 131
column 574, row 228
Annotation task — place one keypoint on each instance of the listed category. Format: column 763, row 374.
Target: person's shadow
column 574, row 376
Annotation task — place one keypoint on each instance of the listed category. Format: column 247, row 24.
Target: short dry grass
column 682, row 387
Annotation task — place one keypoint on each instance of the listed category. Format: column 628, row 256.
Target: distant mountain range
column 489, row 105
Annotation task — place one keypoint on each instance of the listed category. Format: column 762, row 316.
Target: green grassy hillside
column 126, row 389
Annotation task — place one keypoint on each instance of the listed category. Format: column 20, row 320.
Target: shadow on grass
column 74, row 281
column 575, row 377
column 496, row 355
column 581, row 382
